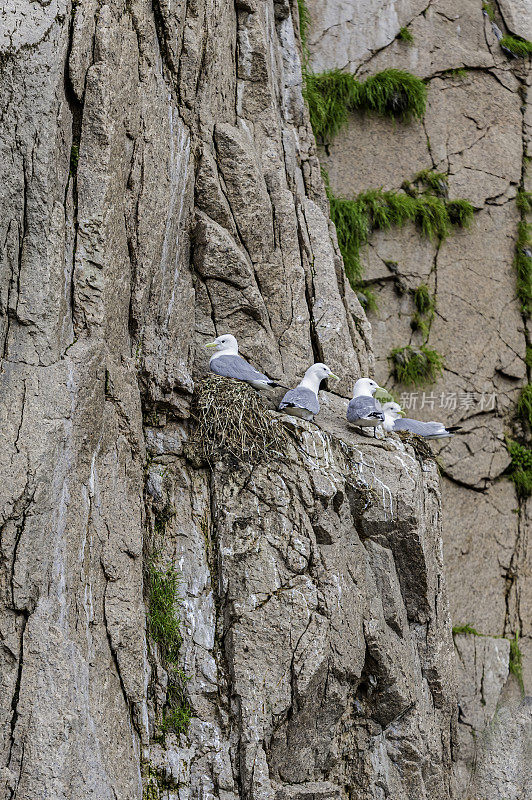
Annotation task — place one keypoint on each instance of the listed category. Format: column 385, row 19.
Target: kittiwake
column 226, row 362
column 429, row 430
column 363, row 410
column 303, row 400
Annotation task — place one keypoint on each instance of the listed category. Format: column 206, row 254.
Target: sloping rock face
column 161, row 185
column 318, row 643
column 477, row 131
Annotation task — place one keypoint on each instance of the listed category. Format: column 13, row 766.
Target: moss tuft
column 366, row 298
column 524, row 405
column 425, row 305
column 393, row 93
column 459, row 629
column 165, row 629
column 518, row 47
column 524, row 201
column 423, row 299
column 523, row 265
column 405, row 35
column 488, row 9
column 304, row 25
column 528, row 356
column 177, row 712
column 520, row 469
column 436, row 182
column 416, row 366
column 376, row 209
column 515, row 664
column 231, row 424
column 163, row 619
column 460, row 212
column 332, row 95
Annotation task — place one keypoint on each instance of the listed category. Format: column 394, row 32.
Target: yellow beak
column 211, row 344
column 332, row 375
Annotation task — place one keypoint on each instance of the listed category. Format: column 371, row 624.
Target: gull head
column 365, row 387
column 321, row 371
column 393, row 410
column 225, row 344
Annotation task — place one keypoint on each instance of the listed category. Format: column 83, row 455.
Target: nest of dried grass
column 418, row 443
column 231, row 425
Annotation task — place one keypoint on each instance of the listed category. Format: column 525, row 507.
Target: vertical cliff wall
column 476, row 131
column 161, row 185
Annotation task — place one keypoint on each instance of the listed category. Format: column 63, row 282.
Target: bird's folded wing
column 236, row 367
column 419, row 428
column 301, row 398
column 362, row 408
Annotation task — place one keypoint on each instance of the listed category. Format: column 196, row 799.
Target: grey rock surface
column 161, row 185
column 477, row 131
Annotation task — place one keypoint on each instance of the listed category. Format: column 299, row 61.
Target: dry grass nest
column 418, row 443
column 231, row 425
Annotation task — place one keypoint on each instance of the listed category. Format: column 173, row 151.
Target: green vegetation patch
column 425, row 305
column 435, row 182
column 459, row 629
column 379, row 210
column 528, row 356
column 405, row 35
column 163, row 619
column 523, row 265
column 304, row 24
column 416, row 366
column 165, row 628
column 523, row 201
column 520, row 469
column 489, row 11
column 524, row 404
column 177, row 712
column 517, row 46
column 332, row 95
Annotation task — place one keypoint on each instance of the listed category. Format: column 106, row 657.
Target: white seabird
column 303, row 400
column 225, row 361
column 429, row 430
column 363, row 410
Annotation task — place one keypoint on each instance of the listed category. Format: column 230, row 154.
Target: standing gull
column 226, row 362
column 429, row 430
column 363, row 410
column 303, row 400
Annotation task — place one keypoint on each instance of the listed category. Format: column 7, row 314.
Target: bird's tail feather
column 453, row 428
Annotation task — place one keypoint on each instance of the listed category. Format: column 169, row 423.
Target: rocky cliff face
column 161, row 185
column 477, row 131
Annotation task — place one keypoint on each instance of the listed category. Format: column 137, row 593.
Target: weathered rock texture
column 318, row 633
column 161, row 185
column 477, row 131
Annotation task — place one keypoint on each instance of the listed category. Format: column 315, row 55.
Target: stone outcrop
column 477, row 131
column 161, row 185
column 318, row 639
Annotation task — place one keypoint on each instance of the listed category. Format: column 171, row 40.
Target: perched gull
column 303, row 400
column 363, row 410
column 430, row 430
column 226, row 361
